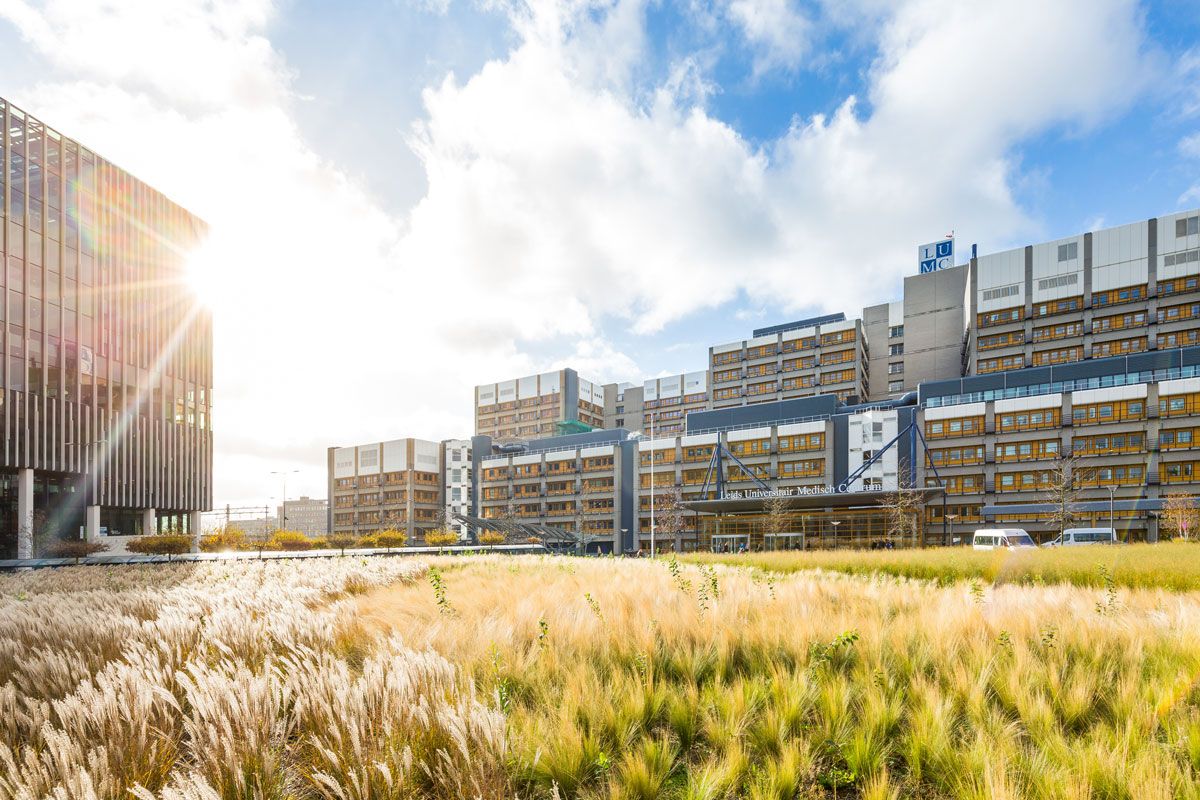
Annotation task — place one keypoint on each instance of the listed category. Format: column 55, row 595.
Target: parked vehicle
column 1074, row 537
column 997, row 538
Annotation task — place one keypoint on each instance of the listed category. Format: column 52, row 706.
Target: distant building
column 537, row 406
column 305, row 514
column 457, row 481
column 395, row 484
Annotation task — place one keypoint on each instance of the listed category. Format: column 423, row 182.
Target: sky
column 410, row 197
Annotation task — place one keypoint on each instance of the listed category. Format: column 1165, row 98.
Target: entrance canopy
column 756, row 502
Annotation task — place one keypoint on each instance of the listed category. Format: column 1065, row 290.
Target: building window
column 895, row 386
column 1187, row 226
column 896, row 349
column 1068, row 252
column 896, row 368
column 895, row 332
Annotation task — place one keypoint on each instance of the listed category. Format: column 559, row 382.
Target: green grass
column 1173, row 566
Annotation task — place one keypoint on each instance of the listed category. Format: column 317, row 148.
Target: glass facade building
column 107, row 370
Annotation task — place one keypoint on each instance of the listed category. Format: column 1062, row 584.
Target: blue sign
column 936, row 255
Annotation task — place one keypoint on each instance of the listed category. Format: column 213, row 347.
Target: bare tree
column 1180, row 515
column 777, row 520
column 1062, row 490
column 903, row 509
column 670, row 516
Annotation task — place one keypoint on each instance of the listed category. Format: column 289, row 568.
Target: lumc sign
column 936, row 255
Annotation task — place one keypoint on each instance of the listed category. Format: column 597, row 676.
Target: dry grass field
column 1174, row 565
column 353, row 679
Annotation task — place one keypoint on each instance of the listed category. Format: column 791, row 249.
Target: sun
column 203, row 273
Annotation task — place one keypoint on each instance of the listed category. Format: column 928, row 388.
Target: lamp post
column 652, row 520
column 950, row 518
column 283, row 506
column 835, row 523
column 1111, row 527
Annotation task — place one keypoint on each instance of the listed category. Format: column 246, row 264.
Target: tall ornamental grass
column 649, row 679
column 229, row 680
column 1170, row 565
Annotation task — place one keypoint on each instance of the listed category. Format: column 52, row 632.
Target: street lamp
column 835, row 523
column 283, row 506
column 1111, row 528
column 652, row 520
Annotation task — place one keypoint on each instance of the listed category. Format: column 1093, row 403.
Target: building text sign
column 936, row 255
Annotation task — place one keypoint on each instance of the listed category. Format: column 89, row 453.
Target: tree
column 670, row 517
column 228, row 537
column 1180, row 515
column 391, row 537
column 160, row 544
column 441, row 537
column 778, row 520
column 1062, row 490
column 492, row 537
column 289, row 540
column 903, row 509
column 73, row 548
column 340, row 541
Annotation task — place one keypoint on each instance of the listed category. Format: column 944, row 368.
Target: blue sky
column 411, row 197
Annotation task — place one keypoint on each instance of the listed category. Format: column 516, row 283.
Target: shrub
column 340, row 541
column 289, row 540
column 441, row 538
column 73, row 548
column 491, row 537
column 370, row 540
column 227, row 539
column 391, row 538
column 164, row 544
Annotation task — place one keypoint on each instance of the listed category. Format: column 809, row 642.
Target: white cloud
column 1190, row 145
column 564, row 191
column 777, row 30
column 545, row 170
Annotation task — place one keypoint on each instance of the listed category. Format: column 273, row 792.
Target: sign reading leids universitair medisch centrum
column 936, row 255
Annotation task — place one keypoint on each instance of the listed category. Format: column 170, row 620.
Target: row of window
column 788, row 346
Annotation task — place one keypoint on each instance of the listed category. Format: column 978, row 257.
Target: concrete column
column 149, row 522
column 193, row 526
column 92, row 523
column 25, row 513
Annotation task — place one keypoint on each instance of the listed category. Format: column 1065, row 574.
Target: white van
column 1074, row 537
column 997, row 538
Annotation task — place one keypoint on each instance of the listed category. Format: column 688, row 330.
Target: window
column 1180, row 258
column 1174, row 313
column 1106, row 444
column 1119, row 347
column 1180, row 439
column 1178, row 405
column 944, row 429
column 895, row 386
column 1068, row 252
column 896, row 349
column 840, row 337
column 1027, row 451
column 1190, row 283
column 999, row 364
column 1179, row 472
column 1134, row 319
column 1002, row 317
column 895, row 332
column 1112, row 297
column 1063, row 306
column 955, row 456
column 1001, row 340
column 896, row 368
column 1187, row 226
column 1029, row 420
column 1100, row 413
column 1061, row 356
